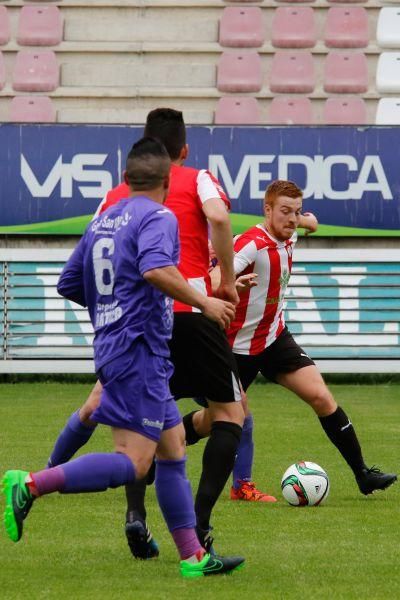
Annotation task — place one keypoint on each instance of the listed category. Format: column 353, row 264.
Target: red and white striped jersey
column 259, row 316
column 189, row 189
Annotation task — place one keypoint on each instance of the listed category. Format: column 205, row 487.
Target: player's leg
column 88, row 473
column 218, row 458
column 77, row 431
column 309, row 385
column 243, row 487
column 176, row 502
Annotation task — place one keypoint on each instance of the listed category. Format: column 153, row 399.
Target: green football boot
column 211, row 565
column 19, row 501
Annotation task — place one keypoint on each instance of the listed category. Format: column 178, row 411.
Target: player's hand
column 245, row 282
column 310, row 223
column 227, row 291
column 220, row 311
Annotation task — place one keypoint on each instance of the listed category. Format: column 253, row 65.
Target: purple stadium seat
column 4, row 26
column 346, row 72
column 347, row 27
column 32, row 109
column 40, row 26
column 239, row 72
column 291, row 111
column 292, row 72
column 294, row 27
column 241, row 27
column 2, row 71
column 237, row 111
column 345, row 111
column 36, row 71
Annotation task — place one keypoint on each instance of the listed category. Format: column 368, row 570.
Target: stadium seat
column 241, row 27
column 293, row 27
column 239, row 72
column 40, row 26
column 237, row 111
column 2, row 71
column 346, row 27
column 291, row 111
column 388, row 27
column 292, row 72
column 346, row 72
column 296, row 1
column 4, row 26
column 347, row 1
column 388, row 111
column 35, row 71
column 388, row 73
column 32, row 109
column 345, row 111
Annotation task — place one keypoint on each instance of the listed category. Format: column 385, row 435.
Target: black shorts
column 282, row 356
column 203, row 360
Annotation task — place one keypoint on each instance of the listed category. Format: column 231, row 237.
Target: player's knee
column 172, row 444
column 322, row 401
column 230, row 412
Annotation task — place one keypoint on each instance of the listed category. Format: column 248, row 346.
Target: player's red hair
column 281, row 187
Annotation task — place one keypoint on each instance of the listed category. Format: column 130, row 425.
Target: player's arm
column 170, row 281
column 309, row 222
column 221, row 240
column 244, row 255
column 70, row 284
column 242, row 283
column 158, row 248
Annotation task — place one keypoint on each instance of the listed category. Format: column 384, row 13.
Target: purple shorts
column 136, row 394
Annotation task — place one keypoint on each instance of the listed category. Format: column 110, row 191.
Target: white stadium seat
column 388, row 27
column 388, row 73
column 388, row 112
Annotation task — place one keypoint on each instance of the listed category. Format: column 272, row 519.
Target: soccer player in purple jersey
column 124, row 271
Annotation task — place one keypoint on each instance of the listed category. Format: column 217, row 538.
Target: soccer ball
column 305, row 484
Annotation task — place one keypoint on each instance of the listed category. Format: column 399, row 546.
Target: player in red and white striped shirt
column 262, row 343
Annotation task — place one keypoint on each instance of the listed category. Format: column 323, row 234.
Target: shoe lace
column 249, row 489
column 374, row 469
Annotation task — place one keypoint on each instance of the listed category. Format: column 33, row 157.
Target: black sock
column 340, row 431
column 190, row 433
column 135, row 494
column 218, row 460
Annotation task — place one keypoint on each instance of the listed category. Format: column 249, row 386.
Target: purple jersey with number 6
column 105, row 273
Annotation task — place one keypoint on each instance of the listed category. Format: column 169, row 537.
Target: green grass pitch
column 74, row 546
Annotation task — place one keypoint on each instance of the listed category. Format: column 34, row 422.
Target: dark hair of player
column 167, row 125
column 281, row 187
column 148, row 163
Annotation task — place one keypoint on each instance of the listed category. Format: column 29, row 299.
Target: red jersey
column 259, row 318
column 189, row 189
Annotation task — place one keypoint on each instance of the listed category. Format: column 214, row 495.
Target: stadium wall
column 344, row 296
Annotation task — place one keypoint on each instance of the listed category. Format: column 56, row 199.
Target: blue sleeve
column 71, row 281
column 158, row 241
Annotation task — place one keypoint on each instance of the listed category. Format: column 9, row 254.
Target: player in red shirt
column 260, row 340
column 203, row 361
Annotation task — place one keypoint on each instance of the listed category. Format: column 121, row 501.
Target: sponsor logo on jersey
column 155, row 424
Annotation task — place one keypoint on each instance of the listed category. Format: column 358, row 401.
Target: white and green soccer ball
column 305, row 484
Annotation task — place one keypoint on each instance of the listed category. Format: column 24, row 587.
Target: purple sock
column 74, row 435
column 88, row 473
column 245, row 452
column 187, row 542
column 176, row 502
